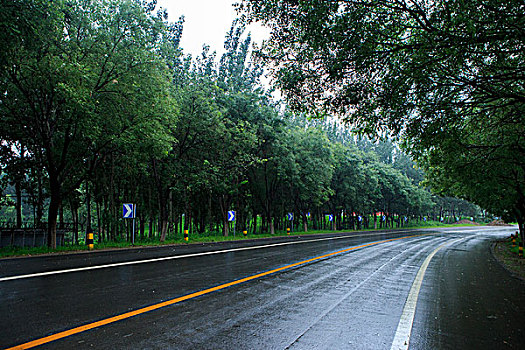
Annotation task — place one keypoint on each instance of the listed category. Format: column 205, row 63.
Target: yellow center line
column 126, row 315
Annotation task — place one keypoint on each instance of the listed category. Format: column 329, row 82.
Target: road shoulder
column 509, row 260
column 469, row 302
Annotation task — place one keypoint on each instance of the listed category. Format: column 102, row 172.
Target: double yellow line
column 126, row 315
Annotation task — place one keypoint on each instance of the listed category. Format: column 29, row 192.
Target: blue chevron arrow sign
column 128, row 211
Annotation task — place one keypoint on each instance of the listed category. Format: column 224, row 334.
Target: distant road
column 439, row 288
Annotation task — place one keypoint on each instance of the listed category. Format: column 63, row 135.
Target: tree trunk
column 75, row 224
column 226, row 227
column 54, row 204
column 40, row 201
column 74, row 215
column 163, row 228
column 520, row 215
column 61, row 217
column 18, row 205
column 99, row 225
column 112, row 202
column 254, row 223
column 163, row 216
column 521, row 225
column 88, row 208
column 225, row 204
column 141, row 226
column 305, row 222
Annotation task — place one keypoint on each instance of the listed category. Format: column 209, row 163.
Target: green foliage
column 88, row 82
column 100, row 107
column 443, row 76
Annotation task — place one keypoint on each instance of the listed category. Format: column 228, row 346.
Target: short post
column 186, row 235
column 288, row 230
column 133, row 227
column 520, row 251
column 245, row 233
column 513, row 241
column 89, row 239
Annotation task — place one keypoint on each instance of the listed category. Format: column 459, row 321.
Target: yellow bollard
column 186, row 235
column 288, row 230
column 520, row 250
column 513, row 241
column 90, row 241
column 245, row 233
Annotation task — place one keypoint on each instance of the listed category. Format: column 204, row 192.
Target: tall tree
column 307, row 170
column 88, row 76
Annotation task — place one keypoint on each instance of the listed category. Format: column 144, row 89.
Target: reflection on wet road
column 351, row 299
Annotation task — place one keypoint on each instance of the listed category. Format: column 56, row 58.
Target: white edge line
column 136, row 262
column 404, row 329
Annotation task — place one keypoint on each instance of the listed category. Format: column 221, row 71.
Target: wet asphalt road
column 351, row 300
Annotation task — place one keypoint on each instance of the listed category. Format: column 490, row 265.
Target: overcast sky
column 206, row 22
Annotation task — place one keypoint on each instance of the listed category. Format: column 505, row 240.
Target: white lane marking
column 136, row 262
column 352, row 290
column 404, row 328
column 473, row 230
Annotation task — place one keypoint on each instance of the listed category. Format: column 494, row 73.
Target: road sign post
column 290, row 218
column 231, row 217
column 129, row 212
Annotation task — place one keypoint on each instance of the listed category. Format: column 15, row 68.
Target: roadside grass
column 207, row 237
column 28, row 251
column 514, row 249
column 509, row 257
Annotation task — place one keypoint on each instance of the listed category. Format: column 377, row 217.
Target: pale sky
column 206, row 22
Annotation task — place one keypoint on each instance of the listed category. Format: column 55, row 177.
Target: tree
column 307, row 170
column 352, row 184
column 265, row 182
column 431, row 74
column 87, row 76
column 484, row 167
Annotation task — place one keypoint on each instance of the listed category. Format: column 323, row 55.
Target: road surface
column 425, row 289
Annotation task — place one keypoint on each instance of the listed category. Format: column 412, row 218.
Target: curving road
column 311, row 292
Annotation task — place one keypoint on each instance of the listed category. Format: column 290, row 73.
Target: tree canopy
column 100, row 106
column 445, row 77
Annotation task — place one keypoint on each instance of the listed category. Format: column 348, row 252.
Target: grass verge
column 179, row 240
column 508, row 257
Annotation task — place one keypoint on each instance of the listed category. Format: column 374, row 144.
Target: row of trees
column 444, row 77
column 100, row 107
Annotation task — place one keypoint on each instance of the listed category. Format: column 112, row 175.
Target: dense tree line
column 100, row 107
column 444, row 77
